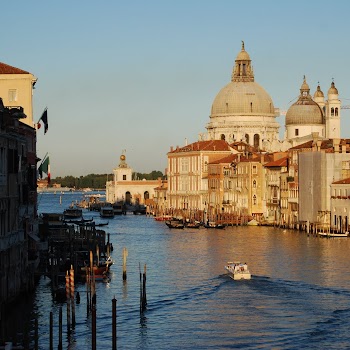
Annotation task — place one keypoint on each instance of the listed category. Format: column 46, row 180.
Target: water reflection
column 299, row 290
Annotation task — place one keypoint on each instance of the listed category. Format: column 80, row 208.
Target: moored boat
column 175, row 224
column 214, row 225
column 107, row 212
column 238, row 271
column 329, row 234
column 73, row 213
column 194, row 224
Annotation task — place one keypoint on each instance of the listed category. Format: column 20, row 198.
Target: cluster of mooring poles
column 72, row 300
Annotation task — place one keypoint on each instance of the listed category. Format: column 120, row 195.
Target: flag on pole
column 43, row 118
column 45, row 168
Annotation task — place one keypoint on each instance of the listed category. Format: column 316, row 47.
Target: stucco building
column 16, row 89
column 130, row 191
column 18, row 198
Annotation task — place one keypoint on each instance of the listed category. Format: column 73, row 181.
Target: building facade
column 18, row 215
column 16, row 89
column 188, row 173
column 124, row 189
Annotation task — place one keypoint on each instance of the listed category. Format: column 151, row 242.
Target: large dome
column 243, row 110
column 243, row 98
column 305, row 111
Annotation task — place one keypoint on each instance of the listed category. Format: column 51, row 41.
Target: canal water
column 298, row 297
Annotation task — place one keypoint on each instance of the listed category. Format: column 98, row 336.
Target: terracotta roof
column 277, row 163
column 225, row 160
column 325, row 144
column 342, row 182
column 238, row 145
column 6, row 69
column 212, row 145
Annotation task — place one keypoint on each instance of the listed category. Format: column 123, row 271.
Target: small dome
column 305, row 86
column 305, row 111
column 332, row 90
column 243, row 55
column 318, row 92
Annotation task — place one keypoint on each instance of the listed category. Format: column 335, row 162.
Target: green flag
column 45, row 168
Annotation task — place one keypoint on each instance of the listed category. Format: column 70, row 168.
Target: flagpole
column 44, row 158
column 42, row 114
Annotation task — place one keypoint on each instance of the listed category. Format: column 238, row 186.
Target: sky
column 140, row 76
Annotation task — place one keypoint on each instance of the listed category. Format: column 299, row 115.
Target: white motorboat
column 329, row 234
column 238, row 271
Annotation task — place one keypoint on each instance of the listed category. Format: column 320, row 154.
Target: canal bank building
column 123, row 188
column 244, row 112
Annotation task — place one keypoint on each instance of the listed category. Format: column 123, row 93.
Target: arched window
column 251, row 107
column 256, row 140
column 222, row 137
column 254, row 199
column 254, row 184
column 146, row 195
column 336, row 111
column 246, row 138
column 332, row 111
column 128, row 197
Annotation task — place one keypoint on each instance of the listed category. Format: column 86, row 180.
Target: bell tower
column 122, row 172
column 333, row 113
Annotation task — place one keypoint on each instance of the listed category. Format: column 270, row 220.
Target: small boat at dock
column 334, row 234
column 107, row 212
column 214, row 225
column 73, row 213
column 175, row 224
column 238, row 271
column 194, row 224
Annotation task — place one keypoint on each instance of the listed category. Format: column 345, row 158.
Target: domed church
column 243, row 110
column 313, row 115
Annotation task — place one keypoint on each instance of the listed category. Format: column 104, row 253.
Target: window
column 255, row 169
column 336, row 112
column 184, row 165
column 256, row 140
column 254, row 199
column 124, row 177
column 296, row 132
column 254, row 184
column 12, row 95
column 332, row 111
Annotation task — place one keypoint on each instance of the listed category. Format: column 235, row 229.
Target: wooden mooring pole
column 51, row 330
column 68, row 301
column 114, row 324
column 72, row 288
column 60, row 330
column 93, row 327
column 125, row 254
